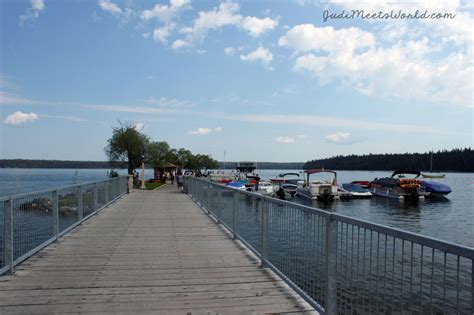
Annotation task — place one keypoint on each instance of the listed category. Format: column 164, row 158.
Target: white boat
column 265, row 188
column 323, row 190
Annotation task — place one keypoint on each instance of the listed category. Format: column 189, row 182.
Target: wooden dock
column 150, row 252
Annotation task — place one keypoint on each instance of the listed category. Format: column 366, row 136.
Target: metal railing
column 340, row 264
column 32, row 221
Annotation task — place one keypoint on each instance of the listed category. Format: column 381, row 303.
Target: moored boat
column 288, row 182
column 323, row 190
column 357, row 191
column 398, row 186
column 435, row 189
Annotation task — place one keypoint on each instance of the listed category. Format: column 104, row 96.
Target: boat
column 435, row 189
column 287, row 181
column 265, row 188
column 357, row 191
column 430, row 174
column 323, row 190
column 398, row 186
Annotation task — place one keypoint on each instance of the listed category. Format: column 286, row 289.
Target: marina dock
column 149, row 252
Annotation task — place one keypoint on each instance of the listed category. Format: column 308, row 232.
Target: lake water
column 450, row 219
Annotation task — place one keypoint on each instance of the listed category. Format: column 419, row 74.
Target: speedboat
column 398, row 186
column 356, row 190
column 265, row 188
column 435, row 189
column 287, row 181
column 323, row 190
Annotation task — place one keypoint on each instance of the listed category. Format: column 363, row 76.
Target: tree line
column 457, row 160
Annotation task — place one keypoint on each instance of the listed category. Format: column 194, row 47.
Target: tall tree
column 127, row 144
column 158, row 153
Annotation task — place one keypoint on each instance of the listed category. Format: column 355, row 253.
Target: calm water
column 451, row 219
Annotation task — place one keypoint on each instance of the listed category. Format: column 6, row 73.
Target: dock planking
column 150, row 252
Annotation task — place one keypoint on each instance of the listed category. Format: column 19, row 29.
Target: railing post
column 331, row 266
column 106, row 191
column 235, row 212
column 8, row 237
column 56, row 214
column 80, row 205
column 208, row 205
column 264, row 232
column 96, row 197
column 219, row 205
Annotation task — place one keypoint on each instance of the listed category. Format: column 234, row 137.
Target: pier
column 93, row 248
column 152, row 252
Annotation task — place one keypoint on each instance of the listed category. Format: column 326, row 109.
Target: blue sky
column 261, row 80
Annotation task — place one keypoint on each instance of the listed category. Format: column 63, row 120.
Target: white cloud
column 36, row 6
column 307, row 37
column 260, row 54
column 127, row 109
column 13, row 99
column 161, row 33
column 110, row 7
column 285, row 140
column 169, row 102
column 69, row 118
column 179, row 43
column 165, row 13
column 406, row 70
column 340, row 138
column 146, row 35
column 204, row 131
column 229, row 51
column 209, row 20
column 19, row 118
column 324, row 121
column 256, row 27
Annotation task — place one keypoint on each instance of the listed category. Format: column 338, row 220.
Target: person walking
column 180, row 181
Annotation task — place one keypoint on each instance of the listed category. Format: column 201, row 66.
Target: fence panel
column 35, row 224
column 344, row 265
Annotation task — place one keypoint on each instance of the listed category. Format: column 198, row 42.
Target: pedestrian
column 172, row 178
column 180, row 181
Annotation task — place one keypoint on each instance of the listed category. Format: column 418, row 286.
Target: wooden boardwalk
column 151, row 252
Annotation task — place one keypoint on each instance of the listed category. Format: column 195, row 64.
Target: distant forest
column 457, row 160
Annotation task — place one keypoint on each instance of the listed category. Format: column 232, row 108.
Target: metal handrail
column 32, row 221
column 401, row 261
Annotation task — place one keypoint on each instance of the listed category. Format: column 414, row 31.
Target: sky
column 267, row 80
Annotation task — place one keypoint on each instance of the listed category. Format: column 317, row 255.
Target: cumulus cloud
column 307, row 37
column 405, row 70
column 339, row 138
column 110, row 7
column 256, row 27
column 263, row 55
column 165, row 13
column 36, row 6
column 161, row 34
column 20, row 118
column 285, row 140
column 204, row 131
column 227, row 14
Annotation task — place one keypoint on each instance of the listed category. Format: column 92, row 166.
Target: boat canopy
column 319, row 170
column 288, row 174
column 414, row 172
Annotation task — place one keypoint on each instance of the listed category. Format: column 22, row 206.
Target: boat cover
column 435, row 187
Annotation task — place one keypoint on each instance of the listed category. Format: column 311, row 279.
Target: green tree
column 158, row 153
column 127, row 144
